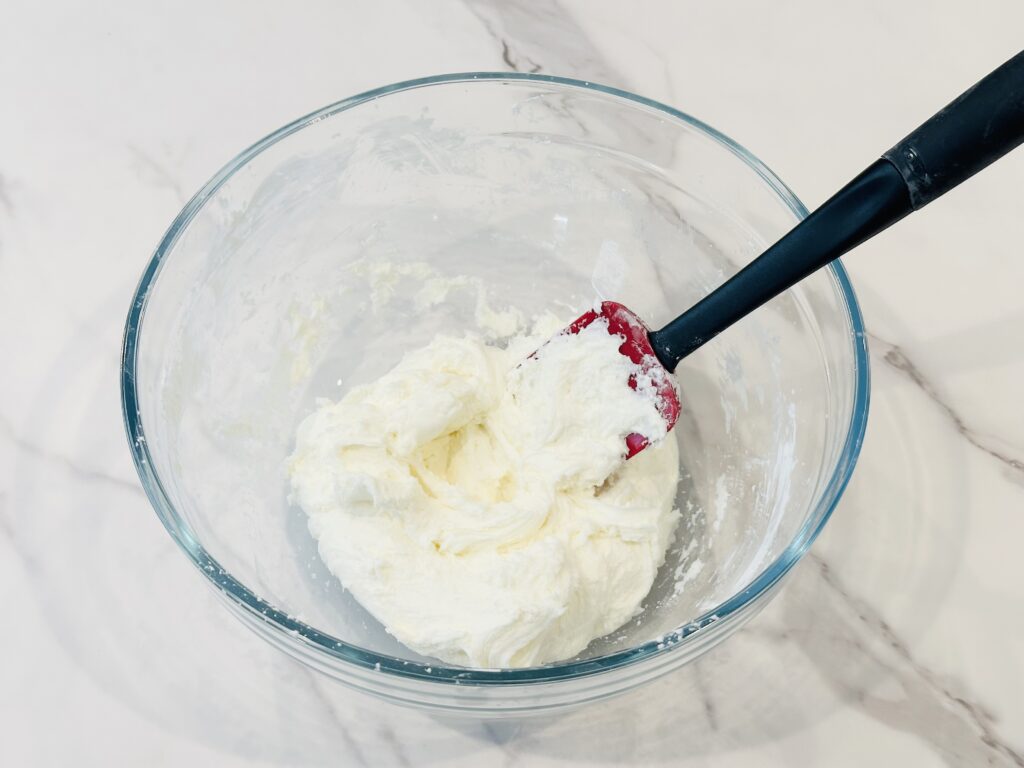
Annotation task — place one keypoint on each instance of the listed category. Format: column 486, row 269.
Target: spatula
column 979, row 127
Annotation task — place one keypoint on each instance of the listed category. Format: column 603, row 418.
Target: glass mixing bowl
column 298, row 270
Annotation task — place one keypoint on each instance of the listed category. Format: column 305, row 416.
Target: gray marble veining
column 897, row 358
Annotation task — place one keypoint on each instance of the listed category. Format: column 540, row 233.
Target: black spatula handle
column 981, row 126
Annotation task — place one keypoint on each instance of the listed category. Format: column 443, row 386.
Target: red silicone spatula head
column 636, row 346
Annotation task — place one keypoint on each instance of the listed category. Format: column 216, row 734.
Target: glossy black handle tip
column 979, row 127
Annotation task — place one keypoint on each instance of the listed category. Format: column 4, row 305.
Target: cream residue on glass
column 476, row 501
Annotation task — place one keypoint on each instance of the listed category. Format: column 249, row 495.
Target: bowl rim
column 311, row 638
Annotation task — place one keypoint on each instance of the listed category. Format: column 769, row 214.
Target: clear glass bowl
column 544, row 191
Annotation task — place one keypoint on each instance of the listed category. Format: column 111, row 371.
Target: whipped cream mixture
column 476, row 501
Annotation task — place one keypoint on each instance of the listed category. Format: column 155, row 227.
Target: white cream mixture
column 476, row 501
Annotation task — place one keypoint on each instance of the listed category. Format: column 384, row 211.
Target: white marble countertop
column 899, row 639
